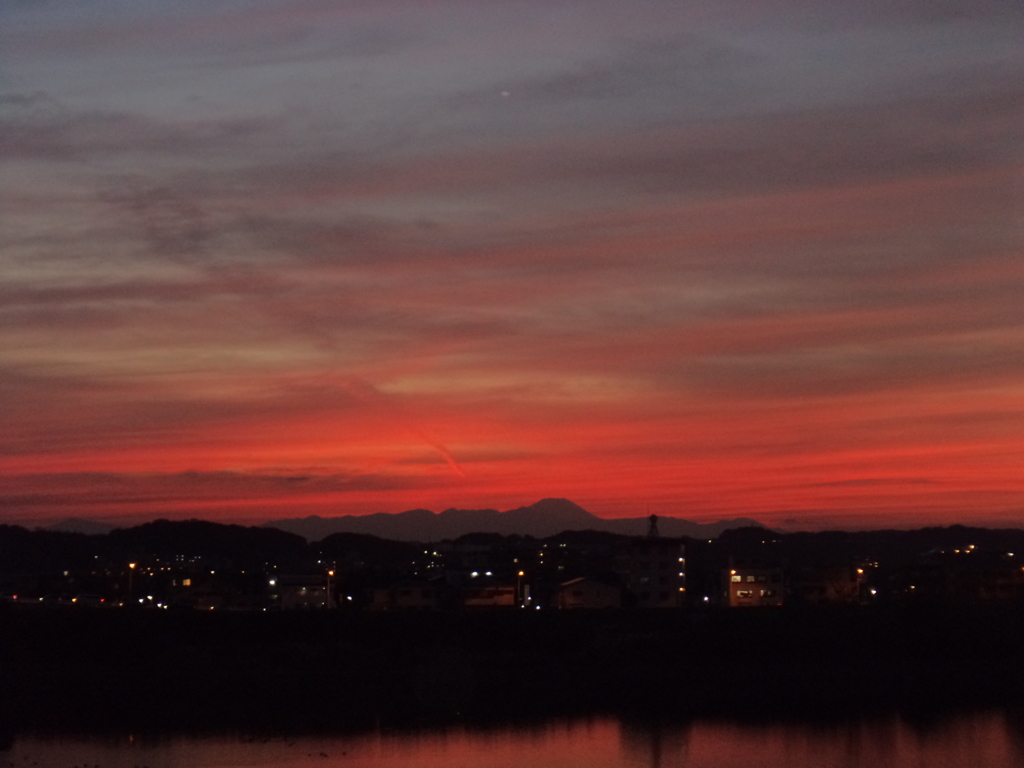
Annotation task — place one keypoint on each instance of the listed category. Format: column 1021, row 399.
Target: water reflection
column 991, row 740
column 978, row 741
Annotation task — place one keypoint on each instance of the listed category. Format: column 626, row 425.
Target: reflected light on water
column 979, row 741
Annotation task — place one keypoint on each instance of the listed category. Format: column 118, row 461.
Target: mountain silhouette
column 81, row 525
column 546, row 517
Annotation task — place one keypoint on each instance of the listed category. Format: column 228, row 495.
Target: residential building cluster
column 748, row 568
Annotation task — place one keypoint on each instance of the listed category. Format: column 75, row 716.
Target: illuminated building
column 748, row 586
column 653, row 572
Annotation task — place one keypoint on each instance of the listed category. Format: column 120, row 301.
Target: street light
column 519, row 588
column 329, row 574
column 131, row 570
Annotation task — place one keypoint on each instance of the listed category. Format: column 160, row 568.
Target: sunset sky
column 272, row 258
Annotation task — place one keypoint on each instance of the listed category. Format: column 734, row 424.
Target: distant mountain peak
column 555, row 506
column 543, row 518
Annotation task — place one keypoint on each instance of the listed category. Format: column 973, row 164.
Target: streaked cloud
column 753, row 260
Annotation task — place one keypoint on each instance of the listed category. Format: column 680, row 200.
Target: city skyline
column 273, row 258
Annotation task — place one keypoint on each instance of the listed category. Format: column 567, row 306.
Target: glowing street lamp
column 131, row 570
column 329, row 575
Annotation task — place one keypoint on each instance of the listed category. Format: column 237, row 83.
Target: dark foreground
column 96, row 671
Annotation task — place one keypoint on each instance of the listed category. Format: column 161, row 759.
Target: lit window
column 750, row 579
column 737, row 578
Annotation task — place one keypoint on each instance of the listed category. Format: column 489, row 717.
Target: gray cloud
column 215, row 213
column 38, row 126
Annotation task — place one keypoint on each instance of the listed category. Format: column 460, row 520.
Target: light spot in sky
column 760, row 260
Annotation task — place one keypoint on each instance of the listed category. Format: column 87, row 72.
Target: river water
column 989, row 740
